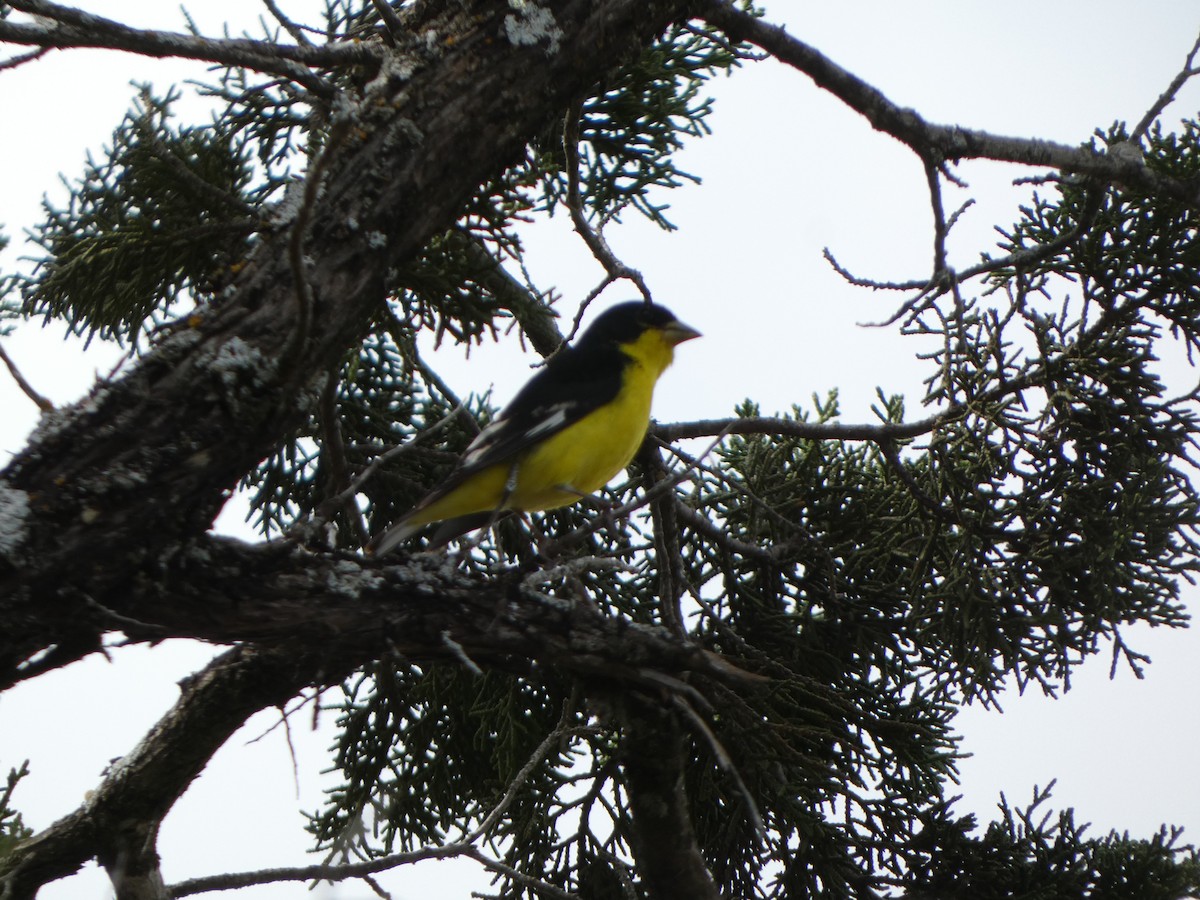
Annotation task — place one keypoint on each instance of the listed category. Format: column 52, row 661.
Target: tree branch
column 937, row 142
column 346, row 611
column 1189, row 70
column 125, row 479
column 26, row 388
column 118, row 822
column 664, row 841
column 593, row 237
column 75, row 28
column 346, row 608
column 296, row 31
column 817, row 431
column 534, row 316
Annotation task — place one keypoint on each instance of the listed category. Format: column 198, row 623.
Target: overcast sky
column 787, row 172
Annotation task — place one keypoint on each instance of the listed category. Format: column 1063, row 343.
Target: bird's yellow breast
column 576, row 461
column 584, row 457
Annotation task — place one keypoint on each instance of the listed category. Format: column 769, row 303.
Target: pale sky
column 787, row 172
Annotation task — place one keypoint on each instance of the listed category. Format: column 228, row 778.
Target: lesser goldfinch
column 569, row 430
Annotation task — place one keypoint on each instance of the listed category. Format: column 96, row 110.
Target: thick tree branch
column 345, row 611
column 464, row 847
column 118, row 822
column 664, row 842
column 349, row 609
column 932, row 142
column 120, row 481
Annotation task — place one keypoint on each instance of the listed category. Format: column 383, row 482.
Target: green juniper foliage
column 1036, row 854
column 12, row 829
column 867, row 589
column 10, row 306
column 163, row 213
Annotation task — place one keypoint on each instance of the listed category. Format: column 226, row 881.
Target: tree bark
column 108, row 491
column 118, row 824
column 653, row 757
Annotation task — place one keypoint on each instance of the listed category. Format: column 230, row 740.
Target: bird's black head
column 624, row 322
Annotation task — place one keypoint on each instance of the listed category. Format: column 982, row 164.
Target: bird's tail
column 447, row 530
column 393, row 537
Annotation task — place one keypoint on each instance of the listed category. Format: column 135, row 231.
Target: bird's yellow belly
column 579, row 460
column 583, row 458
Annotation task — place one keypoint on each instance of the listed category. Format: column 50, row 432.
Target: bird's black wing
column 573, row 384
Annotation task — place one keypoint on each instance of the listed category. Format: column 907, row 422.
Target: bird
column 573, row 426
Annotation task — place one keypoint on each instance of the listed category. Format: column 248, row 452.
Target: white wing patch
column 555, row 418
column 551, row 419
column 483, row 442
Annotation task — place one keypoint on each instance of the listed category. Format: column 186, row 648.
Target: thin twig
column 21, row 58
column 26, row 388
column 926, row 139
column 543, row 888
column 891, row 452
column 235, row 880
column 940, row 228
column 76, row 28
column 459, row 653
column 555, row 736
column 283, row 713
column 671, row 578
column 376, row 887
column 325, row 509
column 722, row 42
column 1168, row 96
column 817, row 431
column 402, row 334
column 592, row 237
column 341, row 492
column 289, row 26
column 587, row 301
column 136, row 624
column 703, row 525
column 724, row 761
column 529, row 309
column 393, row 26
column 873, row 284
column 1018, row 260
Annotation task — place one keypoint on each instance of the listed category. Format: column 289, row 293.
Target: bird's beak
column 676, row 333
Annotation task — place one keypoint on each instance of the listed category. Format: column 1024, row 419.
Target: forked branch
column 930, row 141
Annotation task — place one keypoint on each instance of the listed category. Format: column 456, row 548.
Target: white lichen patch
column 396, row 70
column 14, row 510
column 529, row 25
column 349, row 580
column 54, row 421
column 234, row 360
column 288, row 208
column 345, row 109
